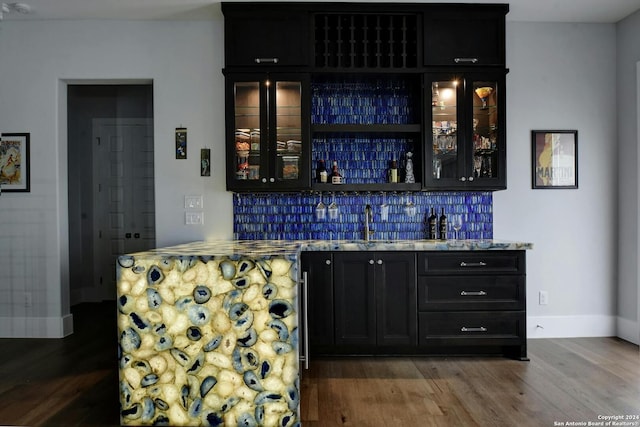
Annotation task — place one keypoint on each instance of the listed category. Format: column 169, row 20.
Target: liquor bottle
column 432, row 229
column 336, row 178
column 443, row 225
column 321, row 172
column 393, row 171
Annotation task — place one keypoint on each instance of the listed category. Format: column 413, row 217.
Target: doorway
column 110, row 181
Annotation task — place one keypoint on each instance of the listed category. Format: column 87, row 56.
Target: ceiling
column 595, row 11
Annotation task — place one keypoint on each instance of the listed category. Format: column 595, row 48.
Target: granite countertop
column 291, row 248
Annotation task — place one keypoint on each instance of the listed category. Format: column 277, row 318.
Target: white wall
column 562, row 77
column 184, row 61
column 628, row 93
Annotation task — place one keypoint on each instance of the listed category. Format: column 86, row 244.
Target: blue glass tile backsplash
column 361, row 159
column 292, row 216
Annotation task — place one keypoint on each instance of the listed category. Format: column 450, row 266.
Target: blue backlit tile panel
column 292, row 216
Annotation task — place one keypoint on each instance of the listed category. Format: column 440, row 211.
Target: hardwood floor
column 73, row 382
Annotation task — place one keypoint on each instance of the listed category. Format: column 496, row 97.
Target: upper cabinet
column 264, row 35
column 374, row 87
column 467, row 142
column 267, row 132
column 473, row 35
column 380, row 40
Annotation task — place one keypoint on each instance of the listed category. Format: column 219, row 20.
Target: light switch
column 193, row 202
column 194, row 218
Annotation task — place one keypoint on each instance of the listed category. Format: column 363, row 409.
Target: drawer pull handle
column 266, row 60
column 465, row 60
column 473, row 293
column 473, row 264
column 479, row 329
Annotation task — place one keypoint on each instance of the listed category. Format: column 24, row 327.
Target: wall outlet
column 193, row 202
column 543, row 298
column 194, row 218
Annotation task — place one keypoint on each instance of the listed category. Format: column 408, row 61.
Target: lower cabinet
column 464, row 302
column 472, row 302
column 375, row 300
column 319, row 269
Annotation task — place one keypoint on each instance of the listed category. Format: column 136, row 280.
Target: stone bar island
column 209, row 331
column 208, row 335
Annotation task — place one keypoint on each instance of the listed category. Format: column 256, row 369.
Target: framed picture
column 205, row 162
column 554, row 156
column 181, row 143
column 14, row 162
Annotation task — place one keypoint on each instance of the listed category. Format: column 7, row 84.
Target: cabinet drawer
column 471, row 293
column 472, row 328
column 471, row 262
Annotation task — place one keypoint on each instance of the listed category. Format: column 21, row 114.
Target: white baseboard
column 36, row 327
column 628, row 330
column 571, row 326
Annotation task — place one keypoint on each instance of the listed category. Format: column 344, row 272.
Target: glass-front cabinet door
column 268, row 136
column 467, row 140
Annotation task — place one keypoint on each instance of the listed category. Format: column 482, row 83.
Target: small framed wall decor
column 14, row 162
column 554, row 156
column 181, row 143
column 205, row 162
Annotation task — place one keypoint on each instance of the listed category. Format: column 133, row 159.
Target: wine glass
column 457, row 225
column 333, row 209
column 384, row 209
column 484, row 93
column 321, row 210
column 410, row 209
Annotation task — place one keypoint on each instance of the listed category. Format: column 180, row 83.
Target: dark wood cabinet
column 473, row 36
column 263, row 35
column 267, row 130
column 379, row 54
column 355, row 299
column 374, row 296
column 319, row 269
column 472, row 302
column 466, row 148
column 437, row 302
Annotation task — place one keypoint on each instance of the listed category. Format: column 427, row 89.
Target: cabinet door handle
column 470, row 178
column 264, row 180
column 328, row 262
column 379, row 262
column 266, row 60
column 465, row 60
column 371, row 261
column 272, row 180
column 463, row 178
column 473, row 293
column 473, row 329
column 473, row 264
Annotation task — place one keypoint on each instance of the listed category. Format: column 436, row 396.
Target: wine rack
column 366, row 41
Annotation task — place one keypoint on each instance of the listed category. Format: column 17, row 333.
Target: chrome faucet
column 368, row 222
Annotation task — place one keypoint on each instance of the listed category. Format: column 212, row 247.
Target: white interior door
column 124, row 202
